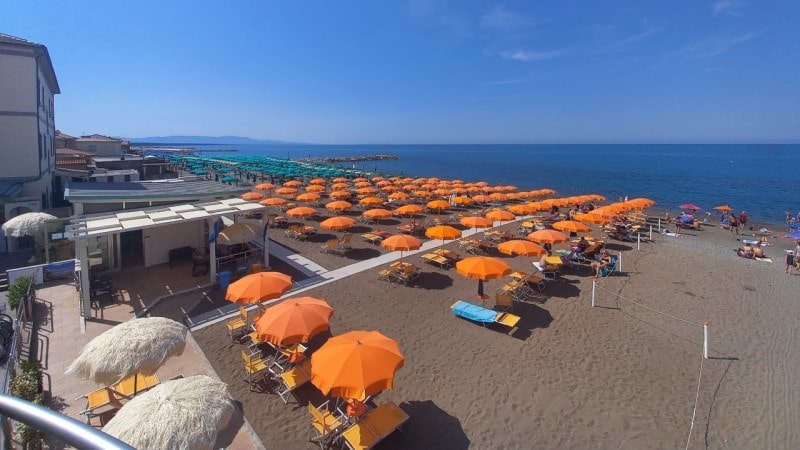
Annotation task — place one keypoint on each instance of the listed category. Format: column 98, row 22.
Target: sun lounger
column 324, row 425
column 452, row 256
column 237, row 327
column 292, row 378
column 372, row 238
column 433, row 258
column 255, row 369
column 329, row 246
column 106, row 400
column 374, row 426
column 482, row 315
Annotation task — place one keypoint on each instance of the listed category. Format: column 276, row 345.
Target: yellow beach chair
column 292, row 378
column 374, row 427
column 324, row 425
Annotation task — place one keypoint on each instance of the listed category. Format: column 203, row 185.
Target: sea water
column 763, row 179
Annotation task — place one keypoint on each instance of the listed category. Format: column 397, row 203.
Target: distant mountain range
column 207, row 140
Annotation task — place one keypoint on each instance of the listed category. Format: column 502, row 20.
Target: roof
column 10, row 189
column 166, row 190
column 61, row 134
column 105, row 223
column 40, row 53
column 73, row 151
column 98, row 137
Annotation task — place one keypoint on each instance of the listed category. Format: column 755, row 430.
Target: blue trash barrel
column 224, row 281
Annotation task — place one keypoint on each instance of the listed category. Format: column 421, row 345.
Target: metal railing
column 67, row 429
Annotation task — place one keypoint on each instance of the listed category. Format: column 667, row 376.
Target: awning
column 10, row 189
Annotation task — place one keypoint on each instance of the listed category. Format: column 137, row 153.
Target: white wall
column 20, row 147
column 159, row 240
column 18, row 89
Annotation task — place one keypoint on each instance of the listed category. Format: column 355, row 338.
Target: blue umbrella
column 793, row 235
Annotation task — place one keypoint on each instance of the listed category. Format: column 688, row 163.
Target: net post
column 705, row 339
column 650, row 236
column 619, row 263
column 594, row 282
column 659, row 224
column 638, row 241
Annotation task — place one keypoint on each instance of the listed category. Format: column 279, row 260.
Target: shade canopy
column 401, row 242
column 483, row 268
column 443, row 232
column 548, row 236
column 28, row 224
column 500, row 215
column 238, row 233
column 257, row 287
column 136, row 346
column 520, row 247
column 572, row 226
column 475, row 222
column 185, row 413
column 294, row 320
column 377, row 213
column 356, row 364
column 301, row 211
column 337, row 223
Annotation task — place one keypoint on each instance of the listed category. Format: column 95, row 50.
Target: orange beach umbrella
column 308, row 197
column 258, row 287
column 409, row 209
column 572, row 226
column 520, row 247
column 273, row 201
column 356, row 364
column 475, row 222
column 443, row 232
column 548, row 236
column 294, row 320
column 338, row 223
column 723, row 208
column 301, row 211
column 252, row 196
column 371, row 201
column 338, row 205
column 377, row 214
column 482, row 268
column 265, row 186
column 438, row 205
column 500, row 215
column 401, row 242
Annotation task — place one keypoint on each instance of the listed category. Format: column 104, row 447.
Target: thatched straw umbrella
column 182, row 413
column 28, row 224
column 136, row 346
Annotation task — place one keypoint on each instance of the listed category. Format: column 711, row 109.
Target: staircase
column 3, row 281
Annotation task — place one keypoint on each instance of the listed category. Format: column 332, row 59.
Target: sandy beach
column 619, row 375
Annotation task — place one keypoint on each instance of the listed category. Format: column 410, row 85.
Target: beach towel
column 764, row 259
column 669, row 233
column 473, row 312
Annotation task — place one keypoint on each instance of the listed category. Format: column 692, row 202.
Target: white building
column 100, row 145
column 27, row 126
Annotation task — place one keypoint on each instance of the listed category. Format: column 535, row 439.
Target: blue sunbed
column 483, row 315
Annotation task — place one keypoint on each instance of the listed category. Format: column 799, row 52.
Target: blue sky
column 423, row 71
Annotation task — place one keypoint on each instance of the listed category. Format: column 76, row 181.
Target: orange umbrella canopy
column 308, row 197
column 317, row 181
column 409, row 209
column 337, row 223
column 265, row 186
column 443, row 232
column 398, row 196
column 339, row 205
column 301, row 211
column 252, row 196
column 590, row 218
column 520, row 247
column 401, row 242
column 500, row 215
column 548, row 236
column 571, row 225
column 724, row 208
column 258, row 287
column 339, row 194
column 294, row 320
column 273, row 201
column 371, row 201
column 377, row 213
column 483, row 268
column 475, row 222
column 315, row 188
column 292, row 184
column 356, row 364
column 438, row 205
column 463, row 200
column 286, row 191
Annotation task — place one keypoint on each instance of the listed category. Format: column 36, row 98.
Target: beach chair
column 611, row 268
column 237, row 327
column 325, row 425
column 256, row 369
column 105, row 401
column 291, row 232
column 548, row 271
column 344, row 244
column 587, row 256
column 407, row 274
column 388, row 274
column 372, row 238
column 451, row 255
column 483, row 315
column 504, row 301
column 254, row 346
column 329, row 246
column 291, row 378
column 439, row 260
column 374, row 427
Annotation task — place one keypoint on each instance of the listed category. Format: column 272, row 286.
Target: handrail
column 69, row 430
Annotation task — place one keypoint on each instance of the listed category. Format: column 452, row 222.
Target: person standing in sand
column 796, row 255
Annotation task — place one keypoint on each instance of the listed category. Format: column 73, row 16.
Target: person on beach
column 548, row 247
column 746, row 252
column 743, row 219
column 583, row 244
column 789, row 261
column 797, row 255
column 733, row 224
column 758, row 252
column 605, row 260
